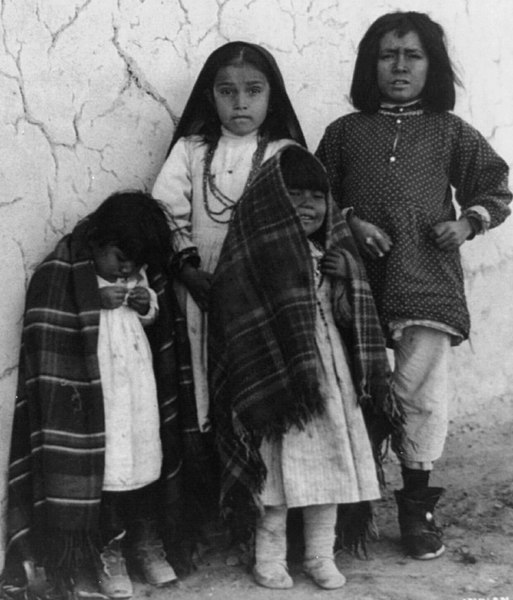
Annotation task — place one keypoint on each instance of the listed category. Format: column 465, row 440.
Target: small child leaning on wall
column 297, row 357
column 95, row 461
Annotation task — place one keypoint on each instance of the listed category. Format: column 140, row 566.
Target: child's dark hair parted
column 135, row 223
column 439, row 92
column 200, row 115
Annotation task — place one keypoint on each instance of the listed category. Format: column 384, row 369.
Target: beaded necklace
column 223, row 215
column 317, row 252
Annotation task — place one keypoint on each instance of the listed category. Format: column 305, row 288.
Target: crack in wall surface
column 11, row 202
column 27, row 267
column 57, row 34
column 8, row 371
column 136, row 75
column 28, row 116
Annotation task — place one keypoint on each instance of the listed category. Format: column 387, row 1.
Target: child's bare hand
column 112, row 296
column 449, row 235
column 198, row 283
column 371, row 239
column 139, row 299
column 334, row 264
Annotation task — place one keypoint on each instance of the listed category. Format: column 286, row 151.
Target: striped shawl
column 262, row 356
column 58, row 438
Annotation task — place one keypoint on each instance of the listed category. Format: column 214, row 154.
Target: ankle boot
column 37, row 580
column 112, row 575
column 150, row 555
column 420, row 536
column 319, row 532
column 270, row 568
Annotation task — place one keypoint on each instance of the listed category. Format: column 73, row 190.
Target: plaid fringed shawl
column 58, row 439
column 262, row 365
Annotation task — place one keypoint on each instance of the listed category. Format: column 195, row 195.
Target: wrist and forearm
column 197, row 282
column 187, row 256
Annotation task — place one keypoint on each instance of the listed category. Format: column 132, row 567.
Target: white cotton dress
column 330, row 461
column 180, row 186
column 133, row 451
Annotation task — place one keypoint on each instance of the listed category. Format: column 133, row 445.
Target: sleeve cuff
column 189, row 256
column 479, row 219
column 347, row 213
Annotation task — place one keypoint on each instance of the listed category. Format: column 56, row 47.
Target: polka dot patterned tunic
column 396, row 170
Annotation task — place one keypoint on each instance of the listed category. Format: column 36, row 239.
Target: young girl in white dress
column 237, row 116
column 125, row 233
column 96, row 465
column 297, row 358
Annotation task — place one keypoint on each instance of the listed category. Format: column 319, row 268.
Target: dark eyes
column 252, row 91
column 393, row 55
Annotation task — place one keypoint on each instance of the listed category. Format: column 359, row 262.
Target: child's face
column 111, row 263
column 310, row 206
column 241, row 96
column 402, row 67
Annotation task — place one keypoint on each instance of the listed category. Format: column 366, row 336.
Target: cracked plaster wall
column 91, row 90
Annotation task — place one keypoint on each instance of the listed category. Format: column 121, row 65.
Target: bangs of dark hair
column 439, row 93
column 302, row 171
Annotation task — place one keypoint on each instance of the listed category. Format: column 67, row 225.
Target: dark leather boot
column 420, row 536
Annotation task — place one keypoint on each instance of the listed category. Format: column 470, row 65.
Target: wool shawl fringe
column 262, row 356
column 295, row 411
column 58, row 441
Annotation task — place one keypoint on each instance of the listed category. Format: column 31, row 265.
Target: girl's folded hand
column 112, row 296
column 372, row 241
column 138, row 298
column 449, row 235
column 334, row 264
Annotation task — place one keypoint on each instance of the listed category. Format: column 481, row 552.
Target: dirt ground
column 476, row 513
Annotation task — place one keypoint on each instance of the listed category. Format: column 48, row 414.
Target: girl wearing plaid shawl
column 96, row 450
column 237, row 116
column 296, row 352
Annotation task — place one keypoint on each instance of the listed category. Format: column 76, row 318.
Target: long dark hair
column 135, row 223
column 439, row 92
column 200, row 116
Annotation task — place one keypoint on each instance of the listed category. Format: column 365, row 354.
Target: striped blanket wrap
column 58, row 437
column 262, row 356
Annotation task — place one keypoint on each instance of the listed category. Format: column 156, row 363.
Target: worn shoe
column 324, row 572
column 420, row 536
column 85, row 585
column 113, row 578
column 38, row 583
column 272, row 574
column 150, row 555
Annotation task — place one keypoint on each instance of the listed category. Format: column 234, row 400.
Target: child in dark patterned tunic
column 391, row 167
